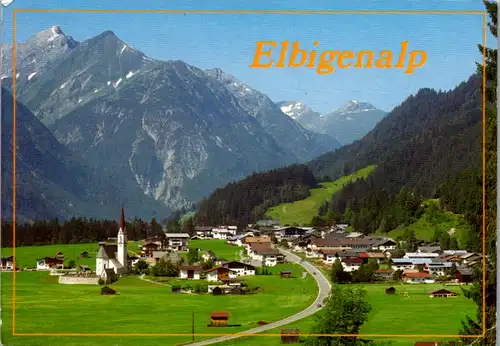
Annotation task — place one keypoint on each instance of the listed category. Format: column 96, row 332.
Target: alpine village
column 228, row 231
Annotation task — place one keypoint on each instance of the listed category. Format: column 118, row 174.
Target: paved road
column 324, row 290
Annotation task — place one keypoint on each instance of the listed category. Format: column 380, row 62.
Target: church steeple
column 122, row 221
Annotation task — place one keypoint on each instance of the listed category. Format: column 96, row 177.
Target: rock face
column 347, row 124
column 51, row 181
column 165, row 131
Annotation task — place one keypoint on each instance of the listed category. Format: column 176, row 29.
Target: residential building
column 329, row 255
column 49, row 263
column 421, row 255
column 177, row 241
column 203, row 231
column 439, row 268
column 418, row 278
column 224, row 232
column 241, row 269
column 237, row 240
column 208, row 256
column 7, row 263
column 267, row 255
column 383, row 245
column 190, row 272
column 384, row 274
column 220, row 274
column 148, row 248
column 290, row 233
column 429, row 249
column 351, row 264
column 401, row 264
column 251, row 240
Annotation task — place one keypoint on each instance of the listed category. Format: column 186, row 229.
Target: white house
column 238, row 239
column 224, row 232
column 418, row 278
column 384, row 245
column 329, row 255
column 177, row 241
column 208, row 256
column 241, row 269
column 220, row 274
column 49, row 263
column 351, row 264
column 438, row 268
column 8, row 264
column 267, row 255
column 190, row 272
column 113, row 256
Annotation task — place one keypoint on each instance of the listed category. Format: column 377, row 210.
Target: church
column 113, row 256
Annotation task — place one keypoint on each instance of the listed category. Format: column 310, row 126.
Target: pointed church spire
column 122, row 220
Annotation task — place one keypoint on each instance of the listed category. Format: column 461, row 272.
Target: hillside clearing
column 302, row 212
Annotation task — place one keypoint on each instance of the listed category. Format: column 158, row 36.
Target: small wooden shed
column 107, row 291
column 84, row 254
column 290, row 336
column 219, row 319
column 176, row 289
column 390, row 290
column 285, row 274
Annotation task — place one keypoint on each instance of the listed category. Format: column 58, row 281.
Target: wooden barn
column 107, row 291
column 442, row 293
column 285, row 274
column 390, row 290
column 290, row 336
column 219, row 319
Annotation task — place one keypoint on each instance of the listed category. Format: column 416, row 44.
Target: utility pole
column 192, row 327
column 497, row 341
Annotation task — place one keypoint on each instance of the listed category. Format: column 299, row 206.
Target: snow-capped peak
column 293, row 108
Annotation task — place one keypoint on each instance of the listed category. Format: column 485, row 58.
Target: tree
column 141, row 267
column 444, row 241
column 476, row 326
column 159, row 269
column 338, row 274
column 188, row 226
column 345, row 312
column 453, row 244
column 397, row 275
column 172, row 270
column 193, row 256
column 71, row 264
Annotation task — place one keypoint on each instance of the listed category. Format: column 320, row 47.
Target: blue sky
column 228, row 41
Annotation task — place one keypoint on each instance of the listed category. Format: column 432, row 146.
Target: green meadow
column 302, row 212
column 393, row 314
column 436, row 221
column 139, row 307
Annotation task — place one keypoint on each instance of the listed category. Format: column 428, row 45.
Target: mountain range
column 165, row 133
column 347, row 124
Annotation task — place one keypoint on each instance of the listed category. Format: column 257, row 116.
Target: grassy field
column 219, row 247
column 26, row 256
column 302, row 212
column 427, row 224
column 139, row 306
column 417, row 314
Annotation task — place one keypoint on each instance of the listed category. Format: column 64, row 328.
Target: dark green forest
column 243, row 202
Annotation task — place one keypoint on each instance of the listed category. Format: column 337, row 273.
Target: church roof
column 107, row 251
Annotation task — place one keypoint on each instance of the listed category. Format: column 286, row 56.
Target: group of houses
column 353, row 249
column 224, row 272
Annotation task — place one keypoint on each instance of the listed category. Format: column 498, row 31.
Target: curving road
column 323, row 292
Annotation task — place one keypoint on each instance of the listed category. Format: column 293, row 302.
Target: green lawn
column 417, row 314
column 427, row 224
column 302, row 212
column 219, row 247
column 26, row 256
column 139, row 307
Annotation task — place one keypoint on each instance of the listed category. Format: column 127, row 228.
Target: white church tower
column 121, row 242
